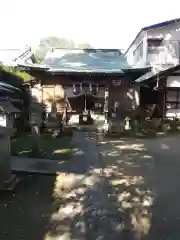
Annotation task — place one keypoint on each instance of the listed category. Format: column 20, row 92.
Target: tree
column 52, row 42
column 55, row 42
column 84, row 46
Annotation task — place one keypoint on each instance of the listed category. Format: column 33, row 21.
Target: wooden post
column 164, row 104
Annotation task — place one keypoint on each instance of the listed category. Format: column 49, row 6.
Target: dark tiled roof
column 161, row 24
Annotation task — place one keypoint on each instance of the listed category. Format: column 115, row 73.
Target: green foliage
column 15, row 72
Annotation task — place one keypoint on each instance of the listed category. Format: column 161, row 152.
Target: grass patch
column 51, row 148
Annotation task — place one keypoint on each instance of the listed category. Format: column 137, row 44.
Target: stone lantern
column 7, row 116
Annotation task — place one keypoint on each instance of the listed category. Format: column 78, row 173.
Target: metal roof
column 86, row 60
column 157, row 71
column 161, row 24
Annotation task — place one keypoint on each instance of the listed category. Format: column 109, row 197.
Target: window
column 173, row 99
column 171, row 96
column 138, row 52
column 173, row 81
column 154, row 45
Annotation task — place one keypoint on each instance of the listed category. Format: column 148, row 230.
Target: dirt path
column 129, row 191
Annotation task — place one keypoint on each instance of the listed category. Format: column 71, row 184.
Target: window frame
column 175, row 102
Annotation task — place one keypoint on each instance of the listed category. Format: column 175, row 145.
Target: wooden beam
column 174, row 74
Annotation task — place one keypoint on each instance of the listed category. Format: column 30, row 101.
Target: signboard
column 116, row 82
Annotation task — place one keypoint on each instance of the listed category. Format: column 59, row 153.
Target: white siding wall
column 170, row 54
column 129, row 55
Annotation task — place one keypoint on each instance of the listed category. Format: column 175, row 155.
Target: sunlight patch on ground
column 65, row 181
column 115, row 141
column 65, row 236
column 114, row 153
column 165, row 146
column 24, row 152
column 77, row 151
column 68, row 211
column 61, row 151
column 68, row 193
column 138, row 205
column 123, row 161
column 146, row 156
column 138, row 147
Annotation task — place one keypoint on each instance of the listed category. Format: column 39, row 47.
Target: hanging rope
column 97, row 88
column 74, row 89
column 90, row 87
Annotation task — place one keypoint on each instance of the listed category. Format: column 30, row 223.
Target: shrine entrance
column 87, row 102
column 94, row 104
column 85, row 98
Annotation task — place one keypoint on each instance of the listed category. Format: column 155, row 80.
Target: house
column 156, row 45
column 97, row 80
column 163, row 89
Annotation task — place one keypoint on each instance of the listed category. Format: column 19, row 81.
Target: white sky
column 105, row 24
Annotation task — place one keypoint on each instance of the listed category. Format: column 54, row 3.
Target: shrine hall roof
column 61, row 60
column 87, row 60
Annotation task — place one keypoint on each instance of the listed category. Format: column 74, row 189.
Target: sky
column 103, row 24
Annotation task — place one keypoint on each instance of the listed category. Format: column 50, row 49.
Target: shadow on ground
column 143, row 176
column 25, row 213
column 129, row 191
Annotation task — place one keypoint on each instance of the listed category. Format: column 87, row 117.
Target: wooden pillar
column 164, row 84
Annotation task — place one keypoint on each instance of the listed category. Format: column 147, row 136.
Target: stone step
column 33, row 165
column 10, row 184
